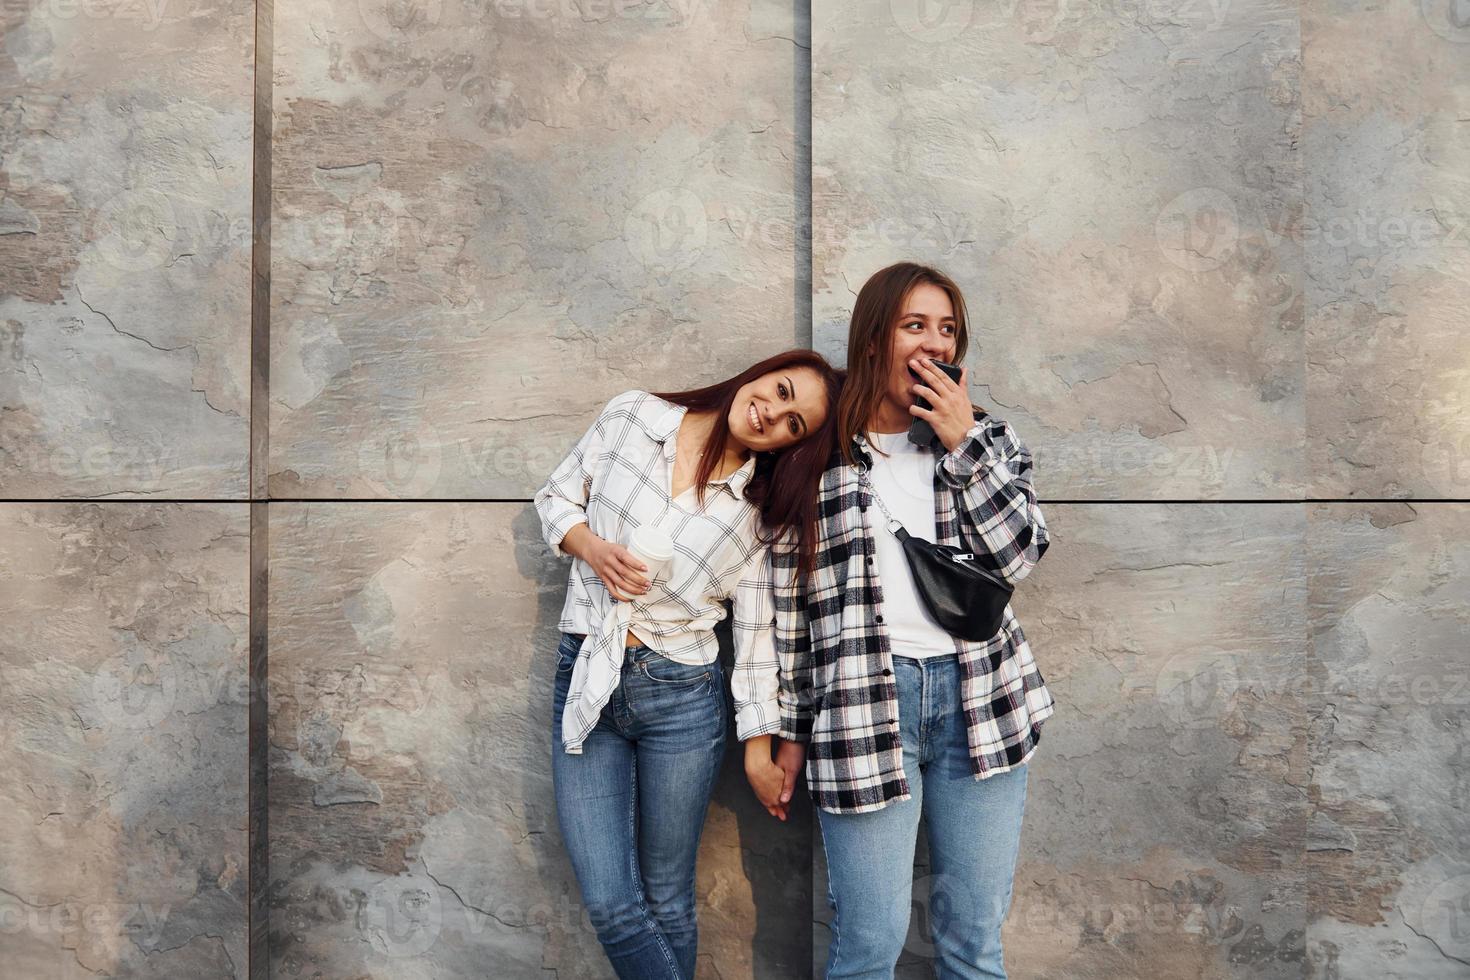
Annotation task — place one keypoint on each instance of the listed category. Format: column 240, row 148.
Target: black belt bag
column 964, row 598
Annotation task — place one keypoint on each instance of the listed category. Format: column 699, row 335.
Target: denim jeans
column 974, row 837
column 632, row 805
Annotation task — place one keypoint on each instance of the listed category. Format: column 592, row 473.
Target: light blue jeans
column 632, row 805
column 974, row 838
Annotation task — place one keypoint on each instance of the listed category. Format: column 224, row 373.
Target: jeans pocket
column 566, row 654
column 662, row 670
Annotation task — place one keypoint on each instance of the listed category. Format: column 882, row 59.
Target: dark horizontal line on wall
column 1266, row 500
column 527, row 500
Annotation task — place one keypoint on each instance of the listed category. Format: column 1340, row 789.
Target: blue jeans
column 974, row 838
column 632, row 805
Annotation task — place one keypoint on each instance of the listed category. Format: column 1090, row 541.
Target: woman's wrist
column 577, row 540
column 758, row 753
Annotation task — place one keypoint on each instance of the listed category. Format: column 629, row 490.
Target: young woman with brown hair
column 639, row 711
column 894, row 716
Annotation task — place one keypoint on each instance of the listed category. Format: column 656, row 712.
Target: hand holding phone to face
column 921, row 433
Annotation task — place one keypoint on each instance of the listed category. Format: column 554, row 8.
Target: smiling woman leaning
column 639, row 718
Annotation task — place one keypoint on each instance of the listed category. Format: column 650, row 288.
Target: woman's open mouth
column 755, row 419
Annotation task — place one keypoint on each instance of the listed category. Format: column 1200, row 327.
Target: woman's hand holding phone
column 950, row 413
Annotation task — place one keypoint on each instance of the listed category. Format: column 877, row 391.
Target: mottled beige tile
column 1168, row 805
column 123, row 696
column 1386, row 96
column 125, row 241
column 1388, row 854
column 412, row 821
column 1112, row 186
column 488, row 219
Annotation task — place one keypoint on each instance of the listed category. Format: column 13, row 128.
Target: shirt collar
column 860, row 438
column 666, row 428
column 863, row 447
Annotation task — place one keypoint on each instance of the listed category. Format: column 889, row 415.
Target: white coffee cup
column 653, row 547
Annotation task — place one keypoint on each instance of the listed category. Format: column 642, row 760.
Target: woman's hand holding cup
column 620, row 570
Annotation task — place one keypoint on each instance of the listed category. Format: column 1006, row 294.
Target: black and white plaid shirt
column 617, row 478
column 835, row 677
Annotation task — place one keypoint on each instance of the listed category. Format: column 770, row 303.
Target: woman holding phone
column 711, row 476
column 894, row 716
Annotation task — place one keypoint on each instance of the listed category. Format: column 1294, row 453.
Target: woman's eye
column 795, row 428
column 782, row 389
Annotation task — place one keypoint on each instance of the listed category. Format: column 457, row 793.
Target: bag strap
column 894, row 525
column 865, row 481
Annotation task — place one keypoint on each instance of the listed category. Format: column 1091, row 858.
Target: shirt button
column 879, row 617
column 887, row 672
column 870, row 559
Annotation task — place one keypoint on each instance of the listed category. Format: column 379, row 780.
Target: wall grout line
column 527, row 500
column 257, row 809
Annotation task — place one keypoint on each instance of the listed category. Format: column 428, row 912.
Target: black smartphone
column 921, row 433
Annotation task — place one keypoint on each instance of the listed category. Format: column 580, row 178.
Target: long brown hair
column 785, row 483
column 875, row 315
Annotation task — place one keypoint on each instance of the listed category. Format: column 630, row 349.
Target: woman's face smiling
column 778, row 409
column 926, row 329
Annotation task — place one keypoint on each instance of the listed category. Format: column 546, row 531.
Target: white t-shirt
column 905, row 480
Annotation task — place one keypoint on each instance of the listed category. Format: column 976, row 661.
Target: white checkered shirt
column 617, row 478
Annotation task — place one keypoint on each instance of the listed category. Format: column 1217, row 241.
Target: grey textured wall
column 125, row 178
column 309, row 319
column 123, row 742
column 1214, row 250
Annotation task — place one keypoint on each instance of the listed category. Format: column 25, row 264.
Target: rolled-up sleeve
column 561, row 502
column 754, row 681
column 992, row 471
column 793, row 644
